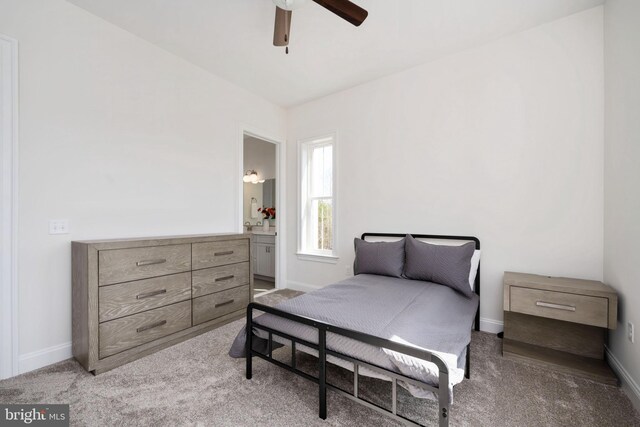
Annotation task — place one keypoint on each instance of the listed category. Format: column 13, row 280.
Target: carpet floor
column 260, row 286
column 196, row 383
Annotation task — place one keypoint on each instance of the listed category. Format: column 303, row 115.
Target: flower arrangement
column 268, row 213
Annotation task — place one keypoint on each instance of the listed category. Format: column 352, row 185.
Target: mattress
column 421, row 314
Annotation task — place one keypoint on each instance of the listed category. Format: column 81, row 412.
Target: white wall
column 621, row 179
column 504, row 142
column 122, row 139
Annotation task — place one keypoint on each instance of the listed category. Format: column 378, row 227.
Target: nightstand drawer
column 587, row 310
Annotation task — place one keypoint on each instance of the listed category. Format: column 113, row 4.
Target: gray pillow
column 381, row 258
column 445, row 265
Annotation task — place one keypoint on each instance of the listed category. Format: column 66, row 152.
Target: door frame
column 281, row 234
column 9, row 207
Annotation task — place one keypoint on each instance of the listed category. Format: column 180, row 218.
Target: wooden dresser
column 132, row 297
column 560, row 323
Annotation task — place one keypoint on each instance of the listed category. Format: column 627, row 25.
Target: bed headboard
column 438, row 240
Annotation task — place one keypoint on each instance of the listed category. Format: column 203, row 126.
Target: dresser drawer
column 212, row 306
column 131, row 331
column 124, row 265
column 588, row 310
column 128, row 298
column 218, row 279
column 213, row 254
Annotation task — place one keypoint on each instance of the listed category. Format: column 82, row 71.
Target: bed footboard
column 442, row 390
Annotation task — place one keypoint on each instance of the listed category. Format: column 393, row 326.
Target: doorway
column 260, row 208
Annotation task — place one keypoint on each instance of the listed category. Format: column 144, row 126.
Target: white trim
column 629, row 384
column 491, row 325
column 333, row 135
column 45, row 357
column 328, row 259
column 9, row 207
column 281, row 166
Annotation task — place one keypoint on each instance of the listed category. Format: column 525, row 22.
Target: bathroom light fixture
column 252, row 177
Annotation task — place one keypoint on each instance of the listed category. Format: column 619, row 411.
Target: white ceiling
column 233, row 38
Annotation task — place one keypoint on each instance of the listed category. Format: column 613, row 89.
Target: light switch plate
column 631, row 332
column 58, row 226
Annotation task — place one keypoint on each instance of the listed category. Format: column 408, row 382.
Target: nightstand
column 559, row 323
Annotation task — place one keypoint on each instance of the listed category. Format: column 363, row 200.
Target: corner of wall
column 628, row 383
column 41, row 358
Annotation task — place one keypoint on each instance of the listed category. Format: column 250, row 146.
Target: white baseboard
column 491, row 325
column 629, row 385
column 46, row 356
column 486, row 325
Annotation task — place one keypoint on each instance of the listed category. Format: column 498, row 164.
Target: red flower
column 268, row 212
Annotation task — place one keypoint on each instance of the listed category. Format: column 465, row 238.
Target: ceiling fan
column 345, row 9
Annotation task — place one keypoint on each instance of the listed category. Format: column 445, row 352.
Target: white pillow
column 473, row 271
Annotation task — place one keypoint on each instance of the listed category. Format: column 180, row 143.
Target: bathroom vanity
column 264, row 253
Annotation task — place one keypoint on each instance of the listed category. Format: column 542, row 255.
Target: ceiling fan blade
column 282, row 27
column 346, row 10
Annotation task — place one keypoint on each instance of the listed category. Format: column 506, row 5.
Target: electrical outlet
column 631, row 332
column 58, row 226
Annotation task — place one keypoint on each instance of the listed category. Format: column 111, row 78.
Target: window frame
column 304, row 199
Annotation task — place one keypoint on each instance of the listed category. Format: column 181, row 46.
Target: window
column 317, row 200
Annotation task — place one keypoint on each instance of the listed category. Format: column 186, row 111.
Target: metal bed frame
column 442, row 391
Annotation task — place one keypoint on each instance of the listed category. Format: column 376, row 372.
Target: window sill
column 329, row 259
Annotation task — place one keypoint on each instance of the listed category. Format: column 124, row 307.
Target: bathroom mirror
column 263, row 195
column 269, row 193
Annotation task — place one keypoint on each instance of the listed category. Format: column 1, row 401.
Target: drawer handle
column 151, row 294
column 555, row 306
column 224, row 303
column 151, row 262
column 220, row 279
column 223, row 253
column 151, row 326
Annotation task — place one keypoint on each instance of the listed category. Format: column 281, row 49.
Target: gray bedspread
column 415, row 313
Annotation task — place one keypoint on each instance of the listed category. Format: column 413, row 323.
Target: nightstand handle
column 556, row 306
